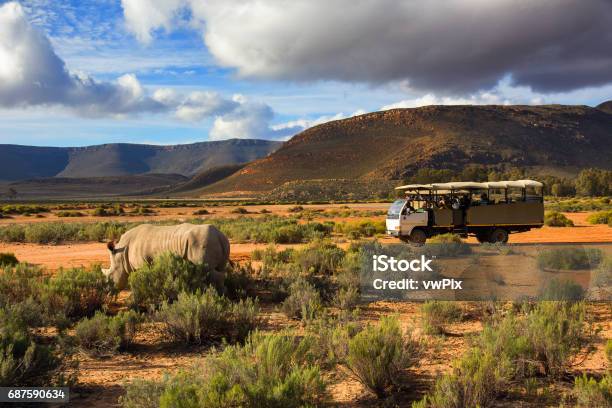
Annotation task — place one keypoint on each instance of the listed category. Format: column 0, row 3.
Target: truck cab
column 404, row 216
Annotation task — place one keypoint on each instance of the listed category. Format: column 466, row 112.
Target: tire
column 483, row 236
column 418, row 237
column 498, row 235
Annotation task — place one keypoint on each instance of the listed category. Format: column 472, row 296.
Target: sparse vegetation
column 436, row 314
column 557, row 219
column 64, row 214
column 592, row 393
column 276, row 370
column 601, row 217
column 569, row 258
column 8, row 259
column 378, row 355
column 201, row 211
column 197, row 317
column 163, row 280
column 101, row 334
column 304, row 300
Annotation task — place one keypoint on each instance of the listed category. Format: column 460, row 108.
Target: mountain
column 28, row 162
column 394, row 144
column 605, row 106
column 91, row 187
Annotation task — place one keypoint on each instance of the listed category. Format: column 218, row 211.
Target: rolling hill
column 393, row 144
column 111, row 160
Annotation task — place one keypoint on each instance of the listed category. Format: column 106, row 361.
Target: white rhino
column 200, row 244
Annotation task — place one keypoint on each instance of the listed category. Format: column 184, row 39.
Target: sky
column 76, row 73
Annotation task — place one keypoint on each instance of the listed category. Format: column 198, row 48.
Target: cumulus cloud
column 454, row 46
column 32, row 74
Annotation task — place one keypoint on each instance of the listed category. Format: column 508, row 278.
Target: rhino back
column 197, row 243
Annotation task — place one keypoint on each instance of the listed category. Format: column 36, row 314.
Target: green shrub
column 295, row 209
column 609, row 352
column 543, row 342
column 476, row 380
column 56, row 232
column 22, row 361
column 378, row 355
column 19, row 283
column 269, row 371
column 601, row 217
column 569, row 258
column 361, row 228
column 163, row 279
column 557, row 219
column 446, row 245
column 8, row 259
column 69, row 214
column 239, row 210
column 564, row 290
column 304, row 301
column 78, row 292
column 198, row 317
column 591, row 393
column 436, row 314
column 24, row 209
column 102, row 334
column 201, row 211
column 107, row 211
column 319, row 257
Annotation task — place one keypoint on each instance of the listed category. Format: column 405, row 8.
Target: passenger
column 484, row 199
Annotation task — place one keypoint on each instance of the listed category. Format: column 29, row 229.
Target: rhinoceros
column 200, row 244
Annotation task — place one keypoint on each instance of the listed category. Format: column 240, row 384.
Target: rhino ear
column 111, row 246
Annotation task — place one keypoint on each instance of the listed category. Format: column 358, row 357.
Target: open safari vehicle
column 489, row 211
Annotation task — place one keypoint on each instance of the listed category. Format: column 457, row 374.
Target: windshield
column 395, row 209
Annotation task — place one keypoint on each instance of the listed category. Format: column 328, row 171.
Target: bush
column 557, row 219
column 569, row 258
column 78, row 292
column 446, row 245
column 564, row 290
column 163, row 279
column 239, row 210
column 295, row 209
column 102, row 335
column 542, row 343
column 201, row 211
column 8, row 259
column 319, row 258
column 609, row 352
column 107, row 211
column 304, row 301
column 23, row 362
column 69, row 214
column 601, row 217
column 476, row 381
column 591, row 393
column 378, row 355
column 19, row 283
column 438, row 313
column 269, row 371
column 362, row 228
column 194, row 318
column 56, row 232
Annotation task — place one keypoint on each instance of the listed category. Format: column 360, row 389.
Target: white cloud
column 31, row 75
column 454, row 46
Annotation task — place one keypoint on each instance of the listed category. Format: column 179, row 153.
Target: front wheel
column 498, row 235
column 418, row 236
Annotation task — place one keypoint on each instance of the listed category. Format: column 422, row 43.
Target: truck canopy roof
column 470, row 185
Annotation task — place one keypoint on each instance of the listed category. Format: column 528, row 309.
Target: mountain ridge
column 394, row 144
column 20, row 162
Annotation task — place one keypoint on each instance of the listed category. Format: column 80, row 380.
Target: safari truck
column 490, row 211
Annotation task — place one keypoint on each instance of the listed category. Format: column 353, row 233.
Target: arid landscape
column 152, row 355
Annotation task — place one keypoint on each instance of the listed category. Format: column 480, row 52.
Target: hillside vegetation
column 394, row 144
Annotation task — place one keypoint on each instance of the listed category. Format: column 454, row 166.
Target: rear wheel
column 418, row 236
column 483, row 236
column 498, row 235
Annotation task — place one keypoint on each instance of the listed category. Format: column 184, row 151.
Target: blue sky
column 262, row 71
